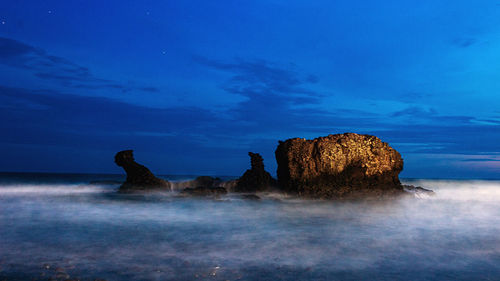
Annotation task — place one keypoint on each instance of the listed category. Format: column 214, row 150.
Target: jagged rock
column 204, row 191
column 339, row 166
column 255, row 179
column 139, row 178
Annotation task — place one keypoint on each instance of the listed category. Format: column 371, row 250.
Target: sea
column 77, row 227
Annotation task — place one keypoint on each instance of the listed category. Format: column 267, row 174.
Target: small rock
column 203, row 181
column 204, row 191
column 417, row 190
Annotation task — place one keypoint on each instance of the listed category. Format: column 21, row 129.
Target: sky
column 192, row 86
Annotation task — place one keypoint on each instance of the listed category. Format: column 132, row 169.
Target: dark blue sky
column 192, row 86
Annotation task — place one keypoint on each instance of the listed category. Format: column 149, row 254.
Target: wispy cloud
column 464, row 42
column 481, row 160
column 430, row 116
column 254, row 78
column 52, row 110
column 45, row 66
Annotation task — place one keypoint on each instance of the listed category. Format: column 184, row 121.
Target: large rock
column 255, row 179
column 139, row 178
column 339, row 166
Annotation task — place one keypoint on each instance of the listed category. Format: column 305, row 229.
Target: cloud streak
column 48, row 67
column 255, row 79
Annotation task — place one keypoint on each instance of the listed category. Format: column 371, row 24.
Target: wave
column 458, row 190
column 51, row 189
column 461, row 190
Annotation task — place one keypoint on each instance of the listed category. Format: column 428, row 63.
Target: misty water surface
column 88, row 231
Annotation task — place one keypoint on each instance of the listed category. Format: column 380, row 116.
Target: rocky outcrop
column 201, row 186
column 339, row 166
column 255, row 179
column 205, row 181
column 418, row 191
column 139, row 178
column 229, row 185
column 204, row 191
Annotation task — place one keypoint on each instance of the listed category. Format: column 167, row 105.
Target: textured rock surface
column 339, row 166
column 139, row 178
column 255, row 179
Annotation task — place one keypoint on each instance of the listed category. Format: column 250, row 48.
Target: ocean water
column 62, row 227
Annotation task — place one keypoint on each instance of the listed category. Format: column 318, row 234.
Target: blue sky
column 192, row 86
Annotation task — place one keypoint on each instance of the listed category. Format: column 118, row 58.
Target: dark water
column 54, row 226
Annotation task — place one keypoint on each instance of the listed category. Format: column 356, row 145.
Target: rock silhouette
column 418, row 190
column 204, row 191
column 255, row 179
column 202, row 186
column 339, row 166
column 139, row 178
column 201, row 181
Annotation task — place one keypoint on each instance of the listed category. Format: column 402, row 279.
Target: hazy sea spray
column 47, row 190
column 98, row 233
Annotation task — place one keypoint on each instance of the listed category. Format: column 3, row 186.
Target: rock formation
column 202, row 186
column 139, row 178
column 339, row 166
column 204, row 181
column 204, row 191
column 418, row 190
column 255, row 179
